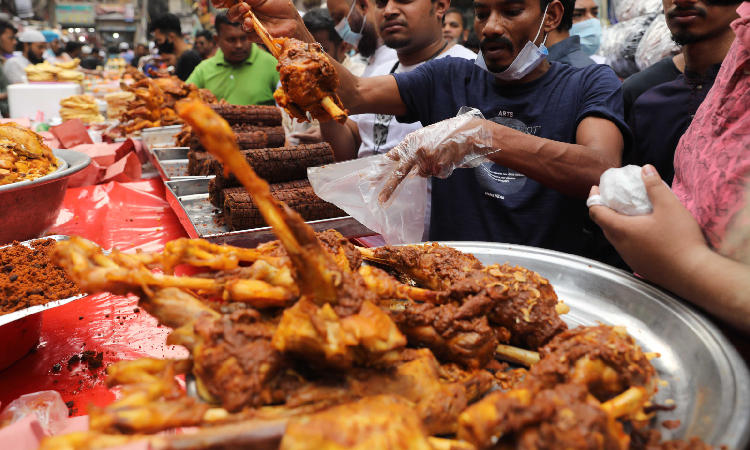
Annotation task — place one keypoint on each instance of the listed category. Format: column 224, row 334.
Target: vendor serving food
column 557, row 128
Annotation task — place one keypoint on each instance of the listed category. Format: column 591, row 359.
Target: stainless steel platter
column 160, row 137
column 8, row 318
column 705, row 376
column 172, row 163
column 189, row 200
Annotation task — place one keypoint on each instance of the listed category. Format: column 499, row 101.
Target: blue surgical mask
column 345, row 31
column 527, row 60
column 590, row 32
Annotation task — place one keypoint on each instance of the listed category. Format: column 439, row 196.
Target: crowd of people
column 555, row 119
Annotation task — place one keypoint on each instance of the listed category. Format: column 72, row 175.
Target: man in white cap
column 126, row 53
column 34, row 44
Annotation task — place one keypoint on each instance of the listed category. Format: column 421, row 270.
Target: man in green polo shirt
column 240, row 73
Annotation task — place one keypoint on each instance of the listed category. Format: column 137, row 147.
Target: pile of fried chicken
column 23, row 155
column 298, row 345
column 155, row 100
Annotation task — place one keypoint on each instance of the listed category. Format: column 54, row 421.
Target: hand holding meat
column 438, row 149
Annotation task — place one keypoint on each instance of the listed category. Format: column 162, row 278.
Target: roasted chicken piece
column 431, row 266
column 605, row 359
column 308, row 79
column 563, row 418
column 21, row 162
column 383, row 422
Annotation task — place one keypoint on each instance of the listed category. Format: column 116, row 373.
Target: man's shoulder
column 191, row 56
column 588, row 74
column 459, row 51
column 659, row 73
column 263, row 57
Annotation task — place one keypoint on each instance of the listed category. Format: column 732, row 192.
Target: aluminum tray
column 707, row 379
column 160, row 137
column 8, row 318
column 172, row 163
column 189, row 200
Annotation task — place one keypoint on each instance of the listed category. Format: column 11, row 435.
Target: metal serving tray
column 11, row 317
column 707, row 379
column 172, row 163
column 189, row 199
column 160, row 137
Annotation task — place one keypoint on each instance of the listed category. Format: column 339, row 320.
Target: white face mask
column 345, row 31
column 527, row 60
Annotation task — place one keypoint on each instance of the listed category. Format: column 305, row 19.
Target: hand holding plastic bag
column 438, row 149
column 357, row 186
column 48, row 406
column 623, row 190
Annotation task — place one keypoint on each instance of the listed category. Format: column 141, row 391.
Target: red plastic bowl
column 18, row 337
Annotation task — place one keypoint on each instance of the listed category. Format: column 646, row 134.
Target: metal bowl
column 705, row 376
column 30, row 208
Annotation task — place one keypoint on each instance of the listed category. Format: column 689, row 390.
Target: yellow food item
column 82, row 107
column 23, row 155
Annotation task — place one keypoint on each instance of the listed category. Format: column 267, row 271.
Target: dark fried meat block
column 257, row 115
column 307, row 76
column 432, row 266
column 604, row 358
column 236, row 362
column 523, row 303
column 651, row 440
column 199, row 163
column 245, row 140
column 565, row 417
column 277, row 165
column 456, row 333
column 217, row 197
column 242, row 213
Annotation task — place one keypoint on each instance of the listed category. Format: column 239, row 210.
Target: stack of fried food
column 296, row 345
column 155, row 100
column 60, row 71
column 117, row 104
column 83, row 107
column 259, row 135
column 23, row 155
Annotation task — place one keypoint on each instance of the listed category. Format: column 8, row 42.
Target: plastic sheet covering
column 48, row 406
column 630, row 9
column 126, row 215
column 620, row 43
column 656, row 44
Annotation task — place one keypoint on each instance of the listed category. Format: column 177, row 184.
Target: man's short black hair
column 207, row 35
column 5, row 25
column 567, row 18
column 453, row 10
column 166, row 23
column 221, row 19
column 319, row 19
column 72, row 46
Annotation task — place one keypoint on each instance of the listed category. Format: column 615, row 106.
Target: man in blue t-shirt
column 558, row 128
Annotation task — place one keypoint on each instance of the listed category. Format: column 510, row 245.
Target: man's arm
column 376, row 95
column 13, row 71
column 668, row 249
column 344, row 139
column 568, row 168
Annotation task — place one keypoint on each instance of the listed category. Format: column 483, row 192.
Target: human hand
column 311, row 136
column 438, row 149
column 280, row 18
column 663, row 247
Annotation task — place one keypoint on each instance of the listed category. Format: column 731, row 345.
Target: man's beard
column 396, row 42
column 33, row 59
column 683, row 38
column 59, row 52
column 369, row 42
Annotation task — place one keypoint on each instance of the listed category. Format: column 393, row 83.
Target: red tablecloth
column 122, row 215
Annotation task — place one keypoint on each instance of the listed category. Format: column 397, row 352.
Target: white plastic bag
column 656, row 44
column 356, row 186
column 48, row 406
column 623, row 190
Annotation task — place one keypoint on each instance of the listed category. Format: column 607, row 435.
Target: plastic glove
column 436, row 150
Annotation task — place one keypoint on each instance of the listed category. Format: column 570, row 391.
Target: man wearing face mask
column 320, row 23
column 662, row 114
column 588, row 26
column 168, row 38
column 34, row 45
column 557, row 128
column 355, row 24
column 563, row 47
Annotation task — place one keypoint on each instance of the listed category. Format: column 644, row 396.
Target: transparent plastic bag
column 656, row 44
column 630, row 9
column 48, row 406
column 388, row 193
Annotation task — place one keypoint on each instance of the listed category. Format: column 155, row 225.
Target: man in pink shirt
column 680, row 246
